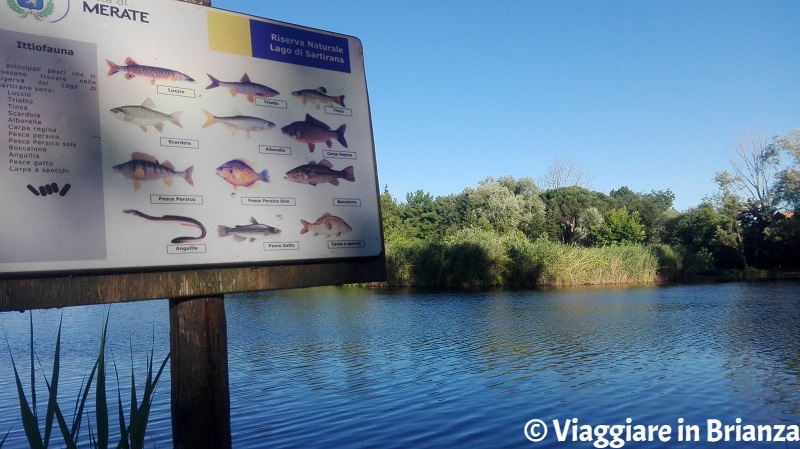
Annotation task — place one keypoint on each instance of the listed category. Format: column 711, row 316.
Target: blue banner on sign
column 297, row 46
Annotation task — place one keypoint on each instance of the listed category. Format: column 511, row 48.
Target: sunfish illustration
column 132, row 70
column 318, row 97
column 238, row 122
column 326, row 225
column 313, row 131
column 250, row 231
column 319, row 173
column 144, row 167
column 238, row 173
column 144, row 116
column 244, row 87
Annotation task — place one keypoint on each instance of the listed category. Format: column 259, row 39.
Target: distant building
column 783, row 215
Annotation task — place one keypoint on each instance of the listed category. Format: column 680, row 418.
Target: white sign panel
column 139, row 134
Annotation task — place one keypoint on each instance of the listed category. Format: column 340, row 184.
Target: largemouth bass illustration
column 312, row 131
column 318, row 97
column 239, row 173
column 145, row 115
column 245, row 87
column 326, row 225
column 238, row 122
column 250, row 231
column 319, row 173
column 144, row 167
column 132, row 70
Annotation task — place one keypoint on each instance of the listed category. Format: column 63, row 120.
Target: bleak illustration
column 315, row 173
column 311, row 131
column 238, row 122
column 145, row 167
column 145, row 115
column 250, row 231
column 326, row 225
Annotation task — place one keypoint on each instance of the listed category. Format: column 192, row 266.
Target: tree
column 652, row 208
column 619, row 226
column 754, row 164
column 565, row 173
column 729, row 233
column 787, row 186
column 391, row 214
column 421, row 215
column 565, row 207
column 503, row 205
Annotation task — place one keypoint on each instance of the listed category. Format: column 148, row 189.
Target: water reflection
column 353, row 367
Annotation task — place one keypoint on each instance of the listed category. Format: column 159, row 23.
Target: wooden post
column 201, row 411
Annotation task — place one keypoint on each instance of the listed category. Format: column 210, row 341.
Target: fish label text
column 352, row 202
column 257, row 201
column 333, row 110
column 177, row 91
column 186, row 249
column 182, row 143
column 176, row 199
column 270, row 103
column 281, row 246
column 339, row 154
column 344, row 244
column 267, row 149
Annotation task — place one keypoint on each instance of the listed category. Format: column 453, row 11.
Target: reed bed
column 476, row 258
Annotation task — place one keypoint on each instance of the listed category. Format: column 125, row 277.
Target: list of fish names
column 38, row 138
column 50, row 143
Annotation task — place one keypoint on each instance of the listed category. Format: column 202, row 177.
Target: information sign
column 140, row 134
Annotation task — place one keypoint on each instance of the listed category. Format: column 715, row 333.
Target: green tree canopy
column 619, row 226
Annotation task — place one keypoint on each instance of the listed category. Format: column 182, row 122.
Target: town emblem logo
column 39, row 9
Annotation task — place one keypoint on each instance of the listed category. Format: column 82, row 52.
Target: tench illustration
column 144, row 167
column 244, row 87
column 318, row 97
column 132, row 70
column 319, row 173
column 250, row 231
column 238, row 122
column 238, row 173
column 313, row 131
column 144, row 116
column 326, row 225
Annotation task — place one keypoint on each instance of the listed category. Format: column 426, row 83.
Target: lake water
column 350, row 367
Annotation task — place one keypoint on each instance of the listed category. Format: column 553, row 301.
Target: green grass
column 131, row 430
column 476, row 258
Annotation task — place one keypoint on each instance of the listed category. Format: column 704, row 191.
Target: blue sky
column 644, row 94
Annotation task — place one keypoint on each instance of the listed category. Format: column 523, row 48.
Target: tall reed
column 131, row 430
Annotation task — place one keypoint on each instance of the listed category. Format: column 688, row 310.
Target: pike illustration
column 132, row 70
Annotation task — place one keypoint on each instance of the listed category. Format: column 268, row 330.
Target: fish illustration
column 238, row 173
column 319, row 173
column 238, row 122
column 326, row 225
column 313, row 131
column 132, row 70
column 318, row 97
column 144, row 116
column 249, row 231
column 244, row 87
column 144, row 167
